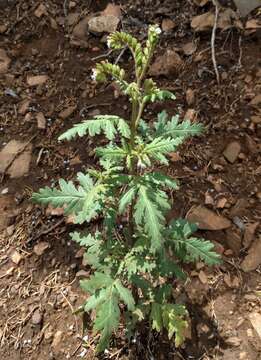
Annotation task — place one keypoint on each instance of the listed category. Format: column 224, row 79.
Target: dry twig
column 213, row 37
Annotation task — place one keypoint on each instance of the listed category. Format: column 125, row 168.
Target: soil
column 39, row 289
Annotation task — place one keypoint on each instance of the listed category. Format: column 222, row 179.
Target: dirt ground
column 39, row 266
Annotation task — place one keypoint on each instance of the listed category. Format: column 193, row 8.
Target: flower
column 94, row 74
column 109, row 42
column 155, row 29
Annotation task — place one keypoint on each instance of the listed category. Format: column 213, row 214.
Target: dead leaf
column 64, row 114
column 190, row 97
column 35, row 80
column 21, row 163
column 167, row 25
column 103, row 24
column 201, row 2
column 4, row 61
column 40, row 11
column 203, row 277
column 221, row 203
column 256, row 100
column 190, row 115
column 205, row 22
column 7, row 204
column 24, row 106
column 209, row 199
column 255, row 319
column 50, row 210
column 40, row 248
column 253, row 24
column 207, row 219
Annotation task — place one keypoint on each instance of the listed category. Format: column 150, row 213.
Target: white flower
column 94, row 74
column 109, row 42
column 155, row 29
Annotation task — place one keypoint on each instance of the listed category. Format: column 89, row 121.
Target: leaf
column 174, row 128
column 156, row 317
column 173, row 320
column 112, row 153
column 94, row 301
column 126, row 199
column 107, row 319
column 125, row 295
column 97, row 281
column 162, row 180
column 105, row 123
column 147, row 212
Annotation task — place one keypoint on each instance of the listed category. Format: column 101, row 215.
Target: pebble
column 232, row 151
column 37, row 317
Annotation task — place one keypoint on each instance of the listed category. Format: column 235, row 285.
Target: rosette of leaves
column 133, row 263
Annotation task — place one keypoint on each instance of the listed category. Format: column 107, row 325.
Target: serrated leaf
column 101, row 123
column 126, row 199
column 125, row 295
column 156, row 317
column 97, row 281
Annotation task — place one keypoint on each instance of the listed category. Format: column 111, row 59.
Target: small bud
column 109, row 42
column 94, row 74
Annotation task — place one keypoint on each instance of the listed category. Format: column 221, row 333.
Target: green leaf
column 101, row 123
column 147, row 212
column 97, row 281
column 112, row 153
column 95, row 300
column 156, row 317
column 158, row 178
column 126, row 199
column 173, row 320
column 125, row 295
column 107, row 319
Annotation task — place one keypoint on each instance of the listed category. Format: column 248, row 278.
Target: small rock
column 21, row 163
column 16, row 257
column 209, row 199
column 112, row 10
column 103, row 23
column 232, row 151
column 40, row 248
column 50, row 210
column 190, row 97
column 75, row 161
column 245, row 7
column 10, row 230
column 256, row 100
column 37, row 317
column 233, row 240
column 169, row 63
column 41, row 121
column 233, row 341
column 205, row 22
column 57, row 340
column 35, row 80
column 253, row 258
column 72, row 4
column 239, row 208
column 40, row 11
column 207, row 219
column 256, row 119
column 64, row 114
column 221, row 203
column 24, row 106
column 249, row 234
column 190, row 115
column 203, row 277
column 3, row 28
column 167, row 25
column 82, row 273
column 255, row 319
column 6, row 210
column 4, row 61
column 72, row 18
column 80, row 30
column 48, row 334
column 189, row 48
column 175, row 156
column 201, row 3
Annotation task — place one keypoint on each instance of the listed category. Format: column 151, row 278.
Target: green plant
column 134, row 252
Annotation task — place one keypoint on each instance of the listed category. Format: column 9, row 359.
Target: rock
column 10, row 230
column 190, row 115
column 249, row 234
column 82, row 273
column 50, row 210
column 80, row 30
column 189, row 48
column 35, row 80
column 40, row 248
column 4, row 61
column 72, row 18
column 239, row 208
column 256, row 119
column 3, row 28
column 256, row 100
column 233, row 341
column 207, row 219
column 112, row 10
column 221, row 203
column 232, row 151
column 48, row 334
column 21, row 163
column 6, row 210
column 245, row 7
column 205, row 22
column 169, row 63
column 24, row 106
column 57, row 340
column 201, row 2
column 75, row 161
column 203, row 277
column 16, row 257
column 37, row 317
column 208, row 199
column 190, row 97
column 167, row 25
column 41, row 121
column 64, row 114
column 253, row 24
column 103, row 23
column 233, row 241
column 255, row 319
column 40, row 11
column 253, row 258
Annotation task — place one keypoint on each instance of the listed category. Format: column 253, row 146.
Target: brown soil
column 221, row 299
